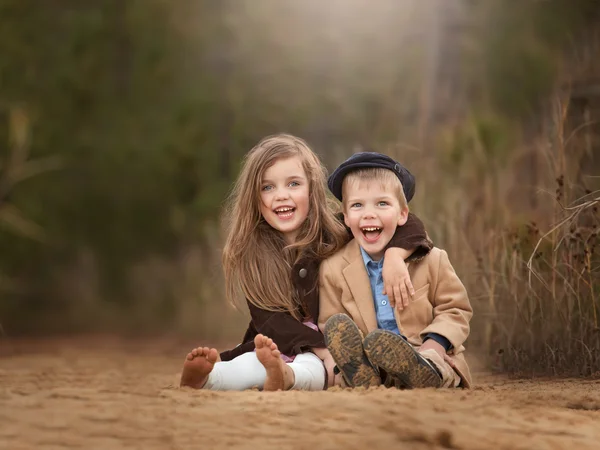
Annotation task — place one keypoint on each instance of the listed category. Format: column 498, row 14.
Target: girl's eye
column 294, row 184
column 266, row 188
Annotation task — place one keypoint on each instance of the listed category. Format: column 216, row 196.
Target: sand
column 104, row 393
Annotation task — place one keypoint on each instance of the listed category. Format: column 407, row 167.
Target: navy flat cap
column 371, row 160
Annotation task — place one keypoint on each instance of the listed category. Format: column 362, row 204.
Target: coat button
column 302, row 273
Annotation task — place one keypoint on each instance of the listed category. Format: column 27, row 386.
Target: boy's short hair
column 385, row 177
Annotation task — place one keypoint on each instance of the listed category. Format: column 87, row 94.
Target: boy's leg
column 400, row 360
column 309, row 372
column 450, row 378
column 344, row 341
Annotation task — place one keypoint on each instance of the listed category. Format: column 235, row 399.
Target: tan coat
column 440, row 304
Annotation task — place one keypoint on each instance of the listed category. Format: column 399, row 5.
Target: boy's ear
column 403, row 216
column 346, row 219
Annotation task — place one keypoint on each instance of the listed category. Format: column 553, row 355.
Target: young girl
column 280, row 228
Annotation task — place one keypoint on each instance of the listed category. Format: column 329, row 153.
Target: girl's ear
column 403, row 216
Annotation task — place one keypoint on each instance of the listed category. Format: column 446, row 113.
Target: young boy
column 415, row 346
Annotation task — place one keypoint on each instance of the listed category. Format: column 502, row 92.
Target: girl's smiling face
column 284, row 197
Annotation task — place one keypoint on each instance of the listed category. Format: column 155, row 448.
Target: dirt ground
column 105, row 394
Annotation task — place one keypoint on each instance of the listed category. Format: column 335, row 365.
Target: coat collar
column 355, row 274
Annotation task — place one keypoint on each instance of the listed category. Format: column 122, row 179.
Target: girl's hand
column 396, row 280
column 328, row 362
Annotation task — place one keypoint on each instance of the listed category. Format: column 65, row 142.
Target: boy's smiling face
column 372, row 213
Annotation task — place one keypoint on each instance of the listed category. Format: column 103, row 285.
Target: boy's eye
column 356, row 205
column 382, row 203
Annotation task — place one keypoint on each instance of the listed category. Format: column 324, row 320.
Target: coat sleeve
column 330, row 295
column 245, row 347
column 291, row 336
column 452, row 310
column 410, row 236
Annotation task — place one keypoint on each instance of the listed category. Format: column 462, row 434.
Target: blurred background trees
column 123, row 123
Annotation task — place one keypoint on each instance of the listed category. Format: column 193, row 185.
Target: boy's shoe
column 400, row 360
column 344, row 341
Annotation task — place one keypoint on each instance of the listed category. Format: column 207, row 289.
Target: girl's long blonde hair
column 256, row 260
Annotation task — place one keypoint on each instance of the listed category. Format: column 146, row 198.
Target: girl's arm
column 245, row 347
column 411, row 238
column 409, row 241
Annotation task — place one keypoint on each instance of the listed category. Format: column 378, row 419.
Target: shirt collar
column 369, row 261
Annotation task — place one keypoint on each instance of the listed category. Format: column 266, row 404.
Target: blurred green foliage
column 523, row 44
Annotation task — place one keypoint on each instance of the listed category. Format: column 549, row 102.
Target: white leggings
column 246, row 372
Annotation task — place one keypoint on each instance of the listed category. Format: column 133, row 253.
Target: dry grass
column 526, row 247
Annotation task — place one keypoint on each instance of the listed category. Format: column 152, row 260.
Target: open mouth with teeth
column 371, row 234
column 285, row 212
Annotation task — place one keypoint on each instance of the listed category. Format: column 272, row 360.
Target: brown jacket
column 440, row 304
column 290, row 335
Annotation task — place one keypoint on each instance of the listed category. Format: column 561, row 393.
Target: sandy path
column 102, row 395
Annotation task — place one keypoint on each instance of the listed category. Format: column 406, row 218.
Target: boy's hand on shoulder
column 396, row 280
column 430, row 344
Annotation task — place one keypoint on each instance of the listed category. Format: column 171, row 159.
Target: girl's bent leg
column 279, row 376
column 241, row 373
column 309, row 372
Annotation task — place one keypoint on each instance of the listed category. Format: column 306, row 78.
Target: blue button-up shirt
column 383, row 309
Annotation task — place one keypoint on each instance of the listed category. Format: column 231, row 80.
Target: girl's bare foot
column 279, row 375
column 197, row 366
